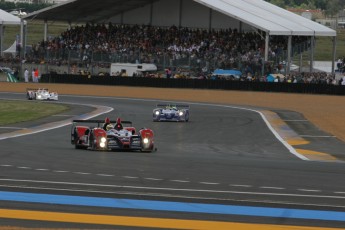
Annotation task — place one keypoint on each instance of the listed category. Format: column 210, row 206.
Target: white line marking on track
column 180, row 181
column 105, row 175
column 179, row 189
column 240, row 185
column 152, row 178
column 130, row 177
column 23, row 167
column 82, row 173
column 308, row 190
column 267, row 187
column 208, row 183
column 177, row 196
column 177, row 181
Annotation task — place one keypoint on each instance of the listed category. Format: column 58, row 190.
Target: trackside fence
column 196, row 84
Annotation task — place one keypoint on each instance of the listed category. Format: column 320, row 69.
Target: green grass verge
column 19, row 111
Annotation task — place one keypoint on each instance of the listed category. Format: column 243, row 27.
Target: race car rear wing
column 99, row 122
column 32, row 89
column 173, row 105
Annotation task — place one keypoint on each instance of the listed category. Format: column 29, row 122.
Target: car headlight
column 180, row 113
column 157, row 113
column 103, row 140
column 146, row 140
column 102, row 144
column 39, row 96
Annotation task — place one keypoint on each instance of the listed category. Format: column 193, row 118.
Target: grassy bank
column 20, row 111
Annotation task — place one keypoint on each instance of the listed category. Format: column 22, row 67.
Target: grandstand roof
column 258, row 14
column 268, row 17
column 8, row 19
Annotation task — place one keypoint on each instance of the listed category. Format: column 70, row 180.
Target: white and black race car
column 171, row 112
column 41, row 94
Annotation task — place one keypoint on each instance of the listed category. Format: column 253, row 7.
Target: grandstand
column 270, row 23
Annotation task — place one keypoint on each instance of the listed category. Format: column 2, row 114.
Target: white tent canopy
column 12, row 49
column 268, row 17
column 257, row 14
column 6, row 19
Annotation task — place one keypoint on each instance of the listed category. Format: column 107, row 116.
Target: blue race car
column 171, row 112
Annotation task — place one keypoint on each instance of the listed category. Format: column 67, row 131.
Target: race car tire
column 187, row 117
column 75, row 134
column 93, row 147
column 146, row 150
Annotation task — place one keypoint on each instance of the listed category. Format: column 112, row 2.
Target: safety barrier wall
column 196, row 84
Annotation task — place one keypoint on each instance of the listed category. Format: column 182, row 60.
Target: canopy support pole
column 300, row 61
column 334, row 53
column 289, row 55
column 180, row 15
column 312, row 43
column 1, row 38
column 45, row 30
column 266, row 46
column 210, row 20
column 151, row 14
column 21, row 45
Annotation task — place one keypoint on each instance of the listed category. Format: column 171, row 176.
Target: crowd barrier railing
column 306, row 88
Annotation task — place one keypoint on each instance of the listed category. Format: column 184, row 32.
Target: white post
column 289, row 55
column 266, row 46
column 45, row 30
column 312, row 54
column 1, row 38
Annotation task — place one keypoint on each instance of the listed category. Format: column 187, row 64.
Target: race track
column 226, row 156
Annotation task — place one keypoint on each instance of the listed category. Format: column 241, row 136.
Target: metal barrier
column 196, row 84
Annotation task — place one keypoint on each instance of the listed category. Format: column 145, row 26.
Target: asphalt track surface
column 226, row 166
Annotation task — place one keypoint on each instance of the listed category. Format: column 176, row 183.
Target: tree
column 332, row 8
column 279, row 3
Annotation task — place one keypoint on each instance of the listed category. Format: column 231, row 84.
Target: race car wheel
column 146, row 150
column 75, row 138
column 187, row 117
column 92, row 142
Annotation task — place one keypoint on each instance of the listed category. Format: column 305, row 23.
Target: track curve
column 224, row 155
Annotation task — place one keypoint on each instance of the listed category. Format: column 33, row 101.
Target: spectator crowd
column 202, row 48
column 171, row 47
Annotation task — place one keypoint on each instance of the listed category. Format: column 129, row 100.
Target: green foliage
column 332, row 7
column 326, row 5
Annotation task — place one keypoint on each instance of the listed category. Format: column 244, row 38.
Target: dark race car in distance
column 171, row 112
column 110, row 138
